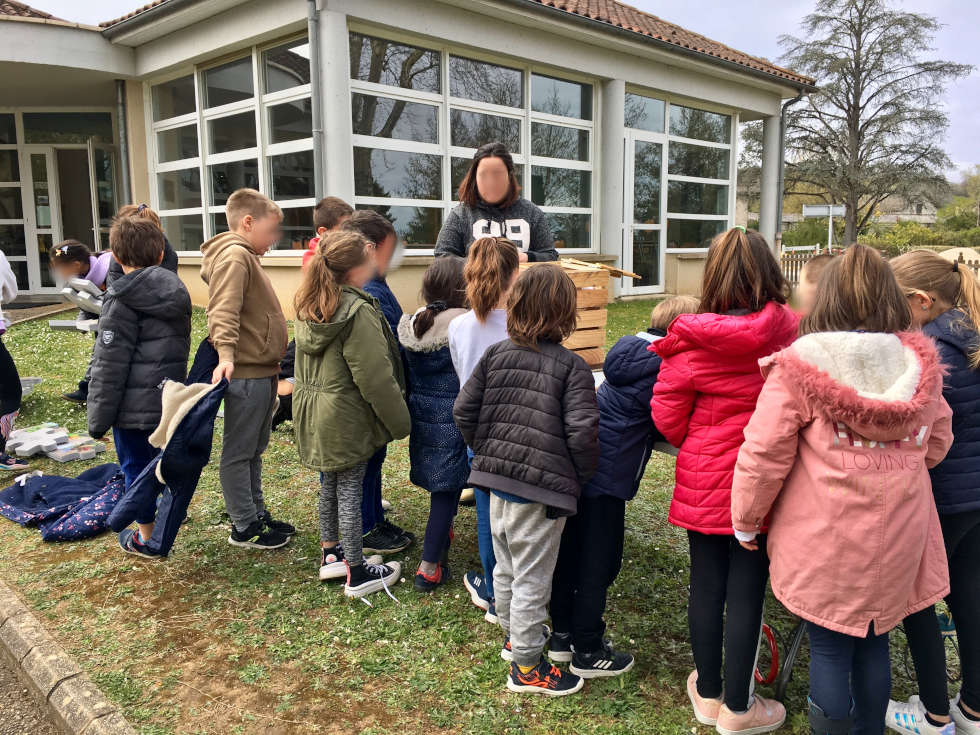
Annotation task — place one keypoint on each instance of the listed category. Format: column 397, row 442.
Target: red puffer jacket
column 704, row 396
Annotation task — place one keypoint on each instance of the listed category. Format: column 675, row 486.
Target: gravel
column 19, row 713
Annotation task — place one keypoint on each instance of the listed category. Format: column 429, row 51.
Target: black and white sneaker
column 286, row 529
column 560, row 647
column 332, row 565
column 604, row 662
column 383, row 539
column 366, row 578
column 256, row 536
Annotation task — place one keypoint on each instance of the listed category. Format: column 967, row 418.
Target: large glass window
column 394, row 64
column 484, row 82
column 286, row 66
column 228, row 83
column 174, row 98
column 67, row 127
column 384, row 117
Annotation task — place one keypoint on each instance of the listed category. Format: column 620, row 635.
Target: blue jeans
column 846, row 671
column 135, row 452
column 371, row 511
column 484, row 537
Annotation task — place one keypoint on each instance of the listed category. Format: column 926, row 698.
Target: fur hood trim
column 435, row 339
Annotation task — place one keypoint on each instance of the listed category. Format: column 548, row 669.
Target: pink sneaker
column 705, row 710
column 763, row 715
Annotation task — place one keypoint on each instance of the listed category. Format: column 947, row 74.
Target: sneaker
column 964, row 725
column 705, row 710
column 367, row 578
column 75, row 396
column 381, row 540
column 385, row 505
column 10, row 463
column 604, row 662
column 763, row 715
column 256, row 536
column 398, row 531
column 491, row 615
column 560, row 647
column 910, row 718
column 467, row 497
column 130, row 543
column 475, row 585
column 332, row 565
column 507, row 654
column 543, row 679
column 286, row 529
column 425, row 583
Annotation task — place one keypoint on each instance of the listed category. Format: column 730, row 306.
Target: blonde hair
column 139, row 211
column 951, row 283
column 245, row 202
column 337, row 254
column 489, row 270
column 542, row 306
column 669, row 309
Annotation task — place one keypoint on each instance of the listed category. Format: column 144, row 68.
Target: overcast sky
column 753, row 27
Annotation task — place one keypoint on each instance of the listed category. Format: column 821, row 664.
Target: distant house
column 624, row 126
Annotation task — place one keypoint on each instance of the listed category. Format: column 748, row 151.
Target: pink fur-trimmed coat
column 836, row 455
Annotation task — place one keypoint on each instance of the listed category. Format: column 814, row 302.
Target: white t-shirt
column 469, row 339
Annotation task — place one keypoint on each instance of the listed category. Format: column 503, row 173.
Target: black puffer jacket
column 531, row 419
column 144, row 337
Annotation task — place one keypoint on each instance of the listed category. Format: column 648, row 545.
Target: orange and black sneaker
column 427, row 583
column 543, row 679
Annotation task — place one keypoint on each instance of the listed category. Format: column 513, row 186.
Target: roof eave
column 146, row 17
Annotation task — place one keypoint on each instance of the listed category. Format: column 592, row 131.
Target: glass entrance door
column 644, row 205
column 42, row 216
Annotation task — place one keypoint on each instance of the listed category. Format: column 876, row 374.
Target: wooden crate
column 589, row 338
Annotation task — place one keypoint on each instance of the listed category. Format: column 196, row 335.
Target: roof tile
column 12, row 8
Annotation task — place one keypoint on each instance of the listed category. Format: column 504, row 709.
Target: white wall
column 72, row 47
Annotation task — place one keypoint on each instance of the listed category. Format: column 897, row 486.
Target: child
column 141, row 211
column 144, row 338
column 72, row 259
column 529, row 413
column 945, row 301
column 349, row 399
column 704, row 395
column 436, row 448
column 490, row 271
column 806, row 290
column 10, row 392
column 380, row 535
column 834, row 462
column 248, row 331
column 592, row 543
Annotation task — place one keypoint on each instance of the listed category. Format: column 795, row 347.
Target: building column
column 769, row 201
column 338, row 161
column 612, row 131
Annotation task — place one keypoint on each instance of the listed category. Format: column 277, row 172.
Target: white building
column 624, row 125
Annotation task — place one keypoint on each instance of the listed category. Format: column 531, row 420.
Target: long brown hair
column 489, row 271
column 741, row 273
column 337, row 254
column 857, row 291
column 468, row 192
column 542, row 306
column 950, row 283
column 443, row 288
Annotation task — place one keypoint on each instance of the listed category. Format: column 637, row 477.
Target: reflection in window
column 174, row 98
column 483, row 82
column 644, row 113
column 19, row 267
column 297, row 228
column 687, row 197
column 692, row 233
column 9, row 168
column 227, row 177
column 570, row 230
column 177, row 143
column 384, row 117
column 647, row 165
column 689, row 122
column 416, row 227
column 473, row 129
column 12, row 240
column 287, row 66
column 10, row 204
column 380, row 173
column 646, row 256
column 179, row 189
column 291, row 121
column 561, row 97
column 457, row 171
column 8, row 129
column 560, row 187
column 395, row 64
column 686, row 159
column 67, row 127
column 185, row 232
column 232, row 133
column 231, row 82
column 292, row 175
column 557, row 141
column 45, row 242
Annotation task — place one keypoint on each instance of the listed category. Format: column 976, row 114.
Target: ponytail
column 443, row 288
column 140, row 211
column 950, row 283
column 489, row 271
column 318, row 295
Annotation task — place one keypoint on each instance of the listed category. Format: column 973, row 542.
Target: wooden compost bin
column 592, row 284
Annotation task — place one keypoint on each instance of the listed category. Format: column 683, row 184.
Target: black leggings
column 725, row 574
column 961, row 533
column 442, row 511
column 10, row 390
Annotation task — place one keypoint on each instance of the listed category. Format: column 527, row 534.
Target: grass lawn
column 221, row 640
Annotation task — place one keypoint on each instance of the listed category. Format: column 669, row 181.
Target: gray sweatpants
column 340, row 510
column 525, row 542
column 249, row 406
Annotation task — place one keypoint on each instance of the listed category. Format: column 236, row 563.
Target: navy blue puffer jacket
column 956, row 480
column 436, row 447
column 626, row 430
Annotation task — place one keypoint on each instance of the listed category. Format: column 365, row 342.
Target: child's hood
column 217, row 245
column 154, row 291
column 746, row 334
column 435, row 339
column 314, row 338
column 877, row 384
column 954, row 328
column 629, row 360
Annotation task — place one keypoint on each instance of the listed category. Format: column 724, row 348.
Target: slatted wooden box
column 592, row 283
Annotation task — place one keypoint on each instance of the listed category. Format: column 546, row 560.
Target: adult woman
column 490, row 205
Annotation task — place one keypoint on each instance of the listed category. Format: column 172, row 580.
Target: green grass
column 220, row 640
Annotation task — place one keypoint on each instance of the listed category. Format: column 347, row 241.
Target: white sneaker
column 367, row 578
column 910, row 718
column 964, row 725
column 332, row 564
column 385, row 505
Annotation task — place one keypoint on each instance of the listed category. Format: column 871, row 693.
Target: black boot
column 820, row 724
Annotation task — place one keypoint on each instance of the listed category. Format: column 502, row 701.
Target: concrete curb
column 72, row 700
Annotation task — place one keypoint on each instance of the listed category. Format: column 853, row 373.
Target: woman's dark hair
column 443, row 287
column 542, row 306
column 741, row 273
column 70, row 251
column 468, row 192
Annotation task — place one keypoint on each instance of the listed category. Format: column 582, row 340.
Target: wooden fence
column 792, row 264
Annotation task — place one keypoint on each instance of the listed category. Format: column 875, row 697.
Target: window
column 13, row 233
column 414, row 140
column 67, row 127
column 242, row 123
